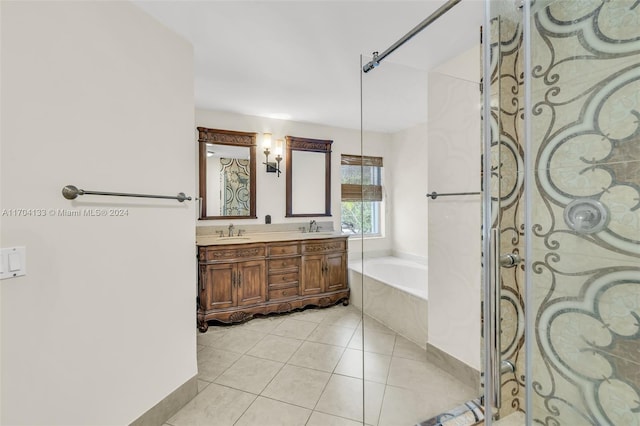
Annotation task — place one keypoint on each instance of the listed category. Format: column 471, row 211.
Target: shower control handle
column 510, row 260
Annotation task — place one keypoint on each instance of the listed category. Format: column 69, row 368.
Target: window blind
column 355, row 192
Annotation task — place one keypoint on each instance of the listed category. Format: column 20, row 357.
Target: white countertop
column 265, row 237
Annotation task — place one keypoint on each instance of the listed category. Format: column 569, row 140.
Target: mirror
column 227, row 174
column 308, row 177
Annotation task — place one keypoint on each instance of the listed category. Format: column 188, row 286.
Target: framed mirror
column 308, row 166
column 227, row 174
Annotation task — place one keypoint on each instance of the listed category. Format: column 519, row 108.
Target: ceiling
column 302, row 58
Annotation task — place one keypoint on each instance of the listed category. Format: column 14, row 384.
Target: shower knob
column 586, row 216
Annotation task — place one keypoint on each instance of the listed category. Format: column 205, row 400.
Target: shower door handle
column 494, row 308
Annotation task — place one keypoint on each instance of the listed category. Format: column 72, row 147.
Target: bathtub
column 394, row 292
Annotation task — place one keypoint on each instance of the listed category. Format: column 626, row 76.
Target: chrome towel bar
column 435, row 195
column 71, row 192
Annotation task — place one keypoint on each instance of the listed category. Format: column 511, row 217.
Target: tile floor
column 305, row 368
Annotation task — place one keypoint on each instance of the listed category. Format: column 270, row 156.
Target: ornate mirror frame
column 226, row 137
column 322, row 147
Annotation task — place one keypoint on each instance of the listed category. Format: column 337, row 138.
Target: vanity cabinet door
column 251, row 282
column 218, row 289
column 335, row 271
column 312, row 274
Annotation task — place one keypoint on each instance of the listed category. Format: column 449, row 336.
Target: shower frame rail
column 433, row 195
column 377, row 58
column 71, row 192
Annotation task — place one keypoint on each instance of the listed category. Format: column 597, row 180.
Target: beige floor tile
column 213, row 333
column 215, row 405
column 317, row 356
column 263, row 324
column 405, row 348
column 296, row 329
column 376, row 365
column 275, row 348
column 213, row 362
column 200, row 347
column 237, row 340
column 422, row 376
column 381, row 343
column 331, row 335
column 267, row 412
column 250, row 374
column 202, row 384
column 343, row 397
column 408, row 407
column 311, row 314
column 321, row 419
column 297, row 385
column 345, row 317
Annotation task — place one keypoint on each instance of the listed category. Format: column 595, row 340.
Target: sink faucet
column 240, row 231
column 231, row 230
column 311, row 223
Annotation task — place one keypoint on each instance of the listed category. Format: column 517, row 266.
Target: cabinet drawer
column 287, row 277
column 231, row 252
column 284, row 263
column 283, row 249
column 283, row 293
column 323, row 246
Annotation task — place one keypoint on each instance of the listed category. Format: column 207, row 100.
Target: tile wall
column 586, row 136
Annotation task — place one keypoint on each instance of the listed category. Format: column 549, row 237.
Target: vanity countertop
column 265, row 237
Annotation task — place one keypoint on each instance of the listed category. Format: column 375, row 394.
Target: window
column 361, row 194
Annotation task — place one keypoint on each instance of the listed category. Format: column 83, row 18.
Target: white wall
column 271, row 189
column 408, row 164
column 102, row 327
column 454, row 222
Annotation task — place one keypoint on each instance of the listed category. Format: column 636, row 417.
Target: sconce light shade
column 272, row 167
column 278, row 150
column 266, row 140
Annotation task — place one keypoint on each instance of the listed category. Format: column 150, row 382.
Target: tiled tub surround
column 395, row 293
column 586, row 141
column 305, row 368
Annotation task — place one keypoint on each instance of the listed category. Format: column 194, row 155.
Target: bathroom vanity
column 240, row 277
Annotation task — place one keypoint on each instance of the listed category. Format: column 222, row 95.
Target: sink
column 233, row 238
column 310, row 234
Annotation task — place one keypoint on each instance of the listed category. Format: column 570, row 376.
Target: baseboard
column 171, row 404
column 458, row 369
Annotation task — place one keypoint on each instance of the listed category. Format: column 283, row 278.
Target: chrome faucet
column 311, row 223
column 231, row 230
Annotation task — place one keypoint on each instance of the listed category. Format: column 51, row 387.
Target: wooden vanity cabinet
column 283, row 270
column 324, row 266
column 238, row 281
column 237, row 284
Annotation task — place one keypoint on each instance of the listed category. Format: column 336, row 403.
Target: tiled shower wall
column 586, row 142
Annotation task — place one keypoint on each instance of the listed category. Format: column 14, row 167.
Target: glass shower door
column 421, row 335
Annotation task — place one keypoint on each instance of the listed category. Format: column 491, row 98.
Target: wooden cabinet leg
column 203, row 326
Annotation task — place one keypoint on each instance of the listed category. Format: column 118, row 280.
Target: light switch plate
column 13, row 262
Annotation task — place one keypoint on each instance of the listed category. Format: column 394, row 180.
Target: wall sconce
column 272, row 167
